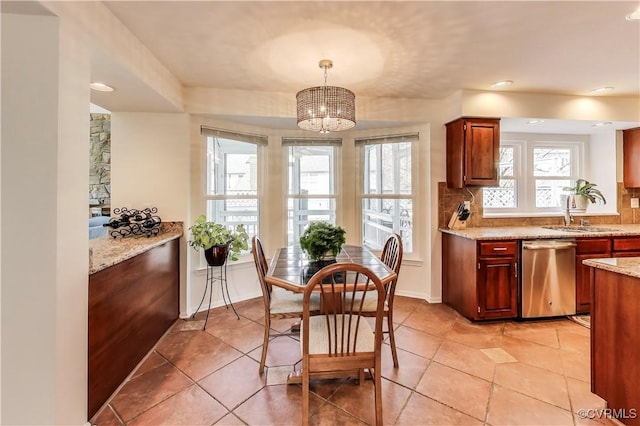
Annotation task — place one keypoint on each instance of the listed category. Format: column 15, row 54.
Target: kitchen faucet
column 567, row 213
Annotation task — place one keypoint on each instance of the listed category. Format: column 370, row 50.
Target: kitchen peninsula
column 615, row 341
column 134, row 288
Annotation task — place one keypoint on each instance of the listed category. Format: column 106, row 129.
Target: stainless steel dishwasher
column 548, row 278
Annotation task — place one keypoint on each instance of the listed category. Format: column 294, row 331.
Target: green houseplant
column 322, row 240
column 581, row 194
column 217, row 240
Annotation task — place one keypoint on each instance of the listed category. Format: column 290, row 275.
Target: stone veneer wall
column 448, row 199
column 100, row 159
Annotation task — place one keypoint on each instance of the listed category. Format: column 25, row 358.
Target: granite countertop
column 621, row 265
column 108, row 251
column 530, row 232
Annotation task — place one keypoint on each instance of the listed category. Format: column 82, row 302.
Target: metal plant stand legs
column 221, row 277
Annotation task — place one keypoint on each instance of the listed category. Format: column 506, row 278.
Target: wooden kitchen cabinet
column 587, row 248
column 626, row 246
column 480, row 278
column 473, row 147
column 631, row 158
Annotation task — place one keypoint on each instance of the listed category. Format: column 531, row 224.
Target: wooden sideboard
column 131, row 305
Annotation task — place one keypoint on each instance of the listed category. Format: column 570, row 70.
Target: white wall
column 603, row 152
column 44, row 237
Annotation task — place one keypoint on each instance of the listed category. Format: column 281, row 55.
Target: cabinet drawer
column 498, row 248
column 623, row 244
column 596, row 245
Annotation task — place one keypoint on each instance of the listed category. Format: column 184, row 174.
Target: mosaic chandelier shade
column 325, row 108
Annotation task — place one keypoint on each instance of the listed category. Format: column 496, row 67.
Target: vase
column 216, row 255
column 578, row 203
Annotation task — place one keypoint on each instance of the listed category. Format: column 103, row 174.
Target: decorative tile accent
column 278, row 375
column 498, row 355
column 191, row 325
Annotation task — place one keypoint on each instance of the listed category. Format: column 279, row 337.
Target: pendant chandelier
column 325, row 108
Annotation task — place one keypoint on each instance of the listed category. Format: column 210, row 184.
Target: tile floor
column 452, row 372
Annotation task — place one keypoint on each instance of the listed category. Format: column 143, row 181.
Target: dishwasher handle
column 547, row 245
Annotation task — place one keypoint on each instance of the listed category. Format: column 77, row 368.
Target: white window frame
column 260, row 142
column 336, row 144
column 525, row 188
column 361, row 143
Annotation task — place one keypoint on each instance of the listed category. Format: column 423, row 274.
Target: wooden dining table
column 289, row 267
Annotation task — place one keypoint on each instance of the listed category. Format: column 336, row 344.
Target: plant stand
column 216, row 274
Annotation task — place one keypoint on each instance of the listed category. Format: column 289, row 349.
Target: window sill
column 544, row 214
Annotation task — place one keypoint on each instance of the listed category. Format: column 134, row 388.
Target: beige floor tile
column 243, row 373
column 359, row 400
column 570, row 341
column 510, row 408
column 533, row 381
column 417, row 342
column 475, row 335
column 448, row 367
column 203, row 410
column 466, row 359
column 465, row 393
column 540, row 333
column 577, row 365
column 197, row 353
column 421, row 410
column 410, row 370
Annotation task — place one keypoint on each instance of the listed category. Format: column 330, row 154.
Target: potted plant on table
column 217, row 240
column 322, row 241
column 581, row 194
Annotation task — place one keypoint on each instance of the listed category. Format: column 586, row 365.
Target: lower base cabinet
column 131, row 305
column 480, row 278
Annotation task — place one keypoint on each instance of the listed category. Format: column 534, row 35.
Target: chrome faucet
column 567, row 212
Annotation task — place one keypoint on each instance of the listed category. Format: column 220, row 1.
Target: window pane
column 500, row 197
column 506, row 162
column 388, row 168
column 235, row 212
column 548, row 192
column 301, row 211
column 231, row 167
column 382, row 217
column 311, row 170
column 551, row 162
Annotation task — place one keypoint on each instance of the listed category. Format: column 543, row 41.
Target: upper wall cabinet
column 631, row 154
column 473, row 145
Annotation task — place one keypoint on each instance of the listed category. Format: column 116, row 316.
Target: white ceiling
column 391, row 49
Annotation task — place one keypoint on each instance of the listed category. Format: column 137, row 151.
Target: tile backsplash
column 448, row 199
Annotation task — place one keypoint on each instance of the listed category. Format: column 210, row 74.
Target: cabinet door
column 583, row 282
column 497, row 287
column 631, row 158
column 588, row 248
column 482, row 149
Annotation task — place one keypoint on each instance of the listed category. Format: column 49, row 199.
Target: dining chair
column 340, row 339
column 278, row 303
column 392, row 257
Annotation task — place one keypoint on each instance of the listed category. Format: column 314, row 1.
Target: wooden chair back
column 340, row 337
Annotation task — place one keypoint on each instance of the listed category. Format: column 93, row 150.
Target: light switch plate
column 467, row 204
column 635, row 203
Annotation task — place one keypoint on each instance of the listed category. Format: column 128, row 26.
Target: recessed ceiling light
column 602, row 89
column 502, row 83
column 601, row 124
column 101, row 87
column 535, row 121
column 633, row 16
